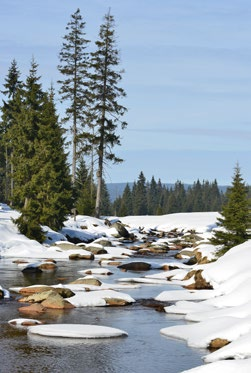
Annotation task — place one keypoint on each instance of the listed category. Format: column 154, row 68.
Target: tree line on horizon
column 155, row 198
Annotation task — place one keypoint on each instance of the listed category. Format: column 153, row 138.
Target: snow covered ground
column 223, row 312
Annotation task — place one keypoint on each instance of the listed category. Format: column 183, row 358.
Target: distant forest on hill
column 153, row 197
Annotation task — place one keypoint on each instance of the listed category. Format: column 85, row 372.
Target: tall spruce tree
column 74, row 65
column 235, row 218
column 41, row 177
column 105, row 109
column 25, row 163
column 54, row 193
column 11, row 86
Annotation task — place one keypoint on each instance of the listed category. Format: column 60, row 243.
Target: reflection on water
column 144, row 350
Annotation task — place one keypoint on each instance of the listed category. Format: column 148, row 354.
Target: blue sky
column 187, row 78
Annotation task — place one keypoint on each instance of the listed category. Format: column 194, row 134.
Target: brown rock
column 96, row 249
column 199, row 282
column 32, row 309
column 200, row 259
column 64, row 292
column 48, row 266
column 35, row 289
column 20, row 261
column 55, row 301
column 135, row 266
column 87, row 281
column 217, row 343
column 81, row 257
column 116, row 302
column 37, row 297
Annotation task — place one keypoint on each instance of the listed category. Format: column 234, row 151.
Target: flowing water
column 144, row 350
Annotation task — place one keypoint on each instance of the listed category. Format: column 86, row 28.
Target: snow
column 201, row 221
column 223, row 366
column 76, row 331
column 22, row 323
column 97, row 298
column 223, row 312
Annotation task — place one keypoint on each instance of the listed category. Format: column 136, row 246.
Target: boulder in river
column 135, row 266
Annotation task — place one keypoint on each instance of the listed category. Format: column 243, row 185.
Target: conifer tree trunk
column 105, row 92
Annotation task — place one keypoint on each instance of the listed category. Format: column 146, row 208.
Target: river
column 145, row 350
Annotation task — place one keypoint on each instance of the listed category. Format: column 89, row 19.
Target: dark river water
column 145, row 350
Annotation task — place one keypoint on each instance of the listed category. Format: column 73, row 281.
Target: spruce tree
column 152, row 197
column 74, row 65
column 85, row 190
column 105, row 91
column 105, row 207
column 122, row 205
column 42, row 188
column 52, row 180
column 235, row 218
column 11, row 86
column 140, row 196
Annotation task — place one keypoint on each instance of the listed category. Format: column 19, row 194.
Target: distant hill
column 116, row 189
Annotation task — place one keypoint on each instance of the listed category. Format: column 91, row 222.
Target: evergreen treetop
column 235, row 220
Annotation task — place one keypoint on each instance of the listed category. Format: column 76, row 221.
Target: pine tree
column 74, row 65
column 85, row 190
column 12, row 85
column 106, row 110
column 140, row 196
column 235, row 218
column 52, row 180
column 152, row 197
column 105, row 207
column 23, row 134
column 123, row 205
column 25, row 163
column 42, row 187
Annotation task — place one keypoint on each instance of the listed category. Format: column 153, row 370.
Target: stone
column 64, row 245
column 122, row 231
column 48, row 266
column 31, row 269
column 81, row 257
column 55, row 301
column 155, row 304
column 96, row 249
column 199, row 281
column 88, row 280
column 116, row 302
column 34, row 289
column 200, row 259
column 103, row 242
column 64, row 292
column 37, row 297
column 217, row 343
column 135, row 266
column 32, row 309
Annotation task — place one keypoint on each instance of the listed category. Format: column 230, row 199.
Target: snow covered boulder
column 76, row 331
column 100, row 298
column 78, row 256
column 88, row 280
column 95, row 249
column 23, row 323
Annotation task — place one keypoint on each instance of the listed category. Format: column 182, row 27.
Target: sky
column 187, row 78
